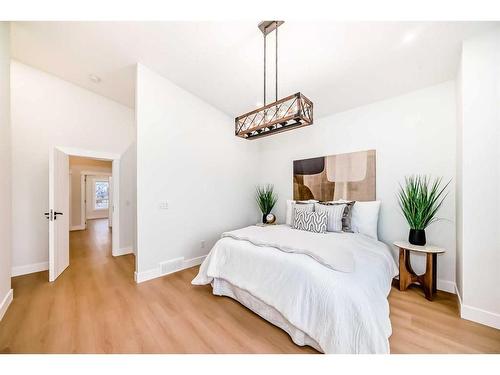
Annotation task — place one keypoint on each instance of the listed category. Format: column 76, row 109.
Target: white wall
column 5, row 169
column 77, row 165
column 48, row 112
column 412, row 134
column 480, row 171
column 187, row 155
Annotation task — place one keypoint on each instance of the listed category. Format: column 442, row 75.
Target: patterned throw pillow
column 335, row 214
column 310, row 221
column 292, row 206
column 346, row 218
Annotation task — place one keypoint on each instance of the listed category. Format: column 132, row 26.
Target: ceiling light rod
column 291, row 112
column 268, row 27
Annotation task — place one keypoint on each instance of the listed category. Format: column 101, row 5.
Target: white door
column 58, row 213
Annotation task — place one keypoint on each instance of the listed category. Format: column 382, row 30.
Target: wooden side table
column 408, row 277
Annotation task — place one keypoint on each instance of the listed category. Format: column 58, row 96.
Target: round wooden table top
column 422, row 249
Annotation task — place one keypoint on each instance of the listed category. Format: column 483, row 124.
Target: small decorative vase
column 417, row 237
column 264, row 220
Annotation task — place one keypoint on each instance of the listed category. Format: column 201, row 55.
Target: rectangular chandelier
column 294, row 111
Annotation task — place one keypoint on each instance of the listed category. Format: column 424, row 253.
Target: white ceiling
column 338, row 65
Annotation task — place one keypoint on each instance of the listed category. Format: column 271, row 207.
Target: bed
column 333, row 300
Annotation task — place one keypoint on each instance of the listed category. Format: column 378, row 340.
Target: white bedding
column 342, row 312
column 316, row 245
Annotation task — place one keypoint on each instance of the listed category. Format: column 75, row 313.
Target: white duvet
column 316, row 245
column 343, row 312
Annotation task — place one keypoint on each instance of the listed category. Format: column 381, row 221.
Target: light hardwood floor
column 96, row 307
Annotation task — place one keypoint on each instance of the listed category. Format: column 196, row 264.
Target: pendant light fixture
column 289, row 113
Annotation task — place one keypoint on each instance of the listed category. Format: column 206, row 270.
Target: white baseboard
column 475, row 314
column 155, row 272
column 94, row 217
column 4, row 305
column 194, row 262
column 123, row 251
column 29, row 268
column 77, row 227
column 446, row 286
column 147, row 275
column 480, row 316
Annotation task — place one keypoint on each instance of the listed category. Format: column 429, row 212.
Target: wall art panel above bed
column 348, row 176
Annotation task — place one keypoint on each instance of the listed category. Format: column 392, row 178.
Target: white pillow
column 290, row 209
column 364, row 218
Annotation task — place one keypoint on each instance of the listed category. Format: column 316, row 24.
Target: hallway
column 70, row 314
column 94, row 243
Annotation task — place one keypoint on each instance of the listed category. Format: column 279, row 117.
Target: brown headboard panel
column 344, row 176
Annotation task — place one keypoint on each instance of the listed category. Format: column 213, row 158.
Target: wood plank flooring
column 96, row 307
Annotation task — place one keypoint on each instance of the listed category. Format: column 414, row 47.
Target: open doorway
column 86, row 202
column 91, row 196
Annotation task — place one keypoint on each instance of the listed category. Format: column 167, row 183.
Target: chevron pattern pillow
column 310, row 221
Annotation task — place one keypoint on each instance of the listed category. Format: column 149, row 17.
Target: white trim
column 83, row 206
column 446, row 286
column 480, row 316
column 77, row 227
column 194, row 262
column 97, row 216
column 30, row 268
column 7, row 300
column 155, row 272
column 124, row 251
column 458, row 295
column 459, row 299
column 115, row 233
column 115, row 172
column 96, row 173
column 83, row 195
column 88, row 153
column 477, row 315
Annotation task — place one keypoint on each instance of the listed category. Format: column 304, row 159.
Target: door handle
column 47, row 215
column 57, row 213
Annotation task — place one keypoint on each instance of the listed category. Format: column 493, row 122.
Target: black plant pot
column 417, row 237
column 264, row 220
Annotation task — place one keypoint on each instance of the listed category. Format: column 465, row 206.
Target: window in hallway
column 101, row 200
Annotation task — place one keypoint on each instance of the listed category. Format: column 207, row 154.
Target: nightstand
column 408, row 277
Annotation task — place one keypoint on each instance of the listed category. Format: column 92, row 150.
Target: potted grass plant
column 266, row 199
column 419, row 200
